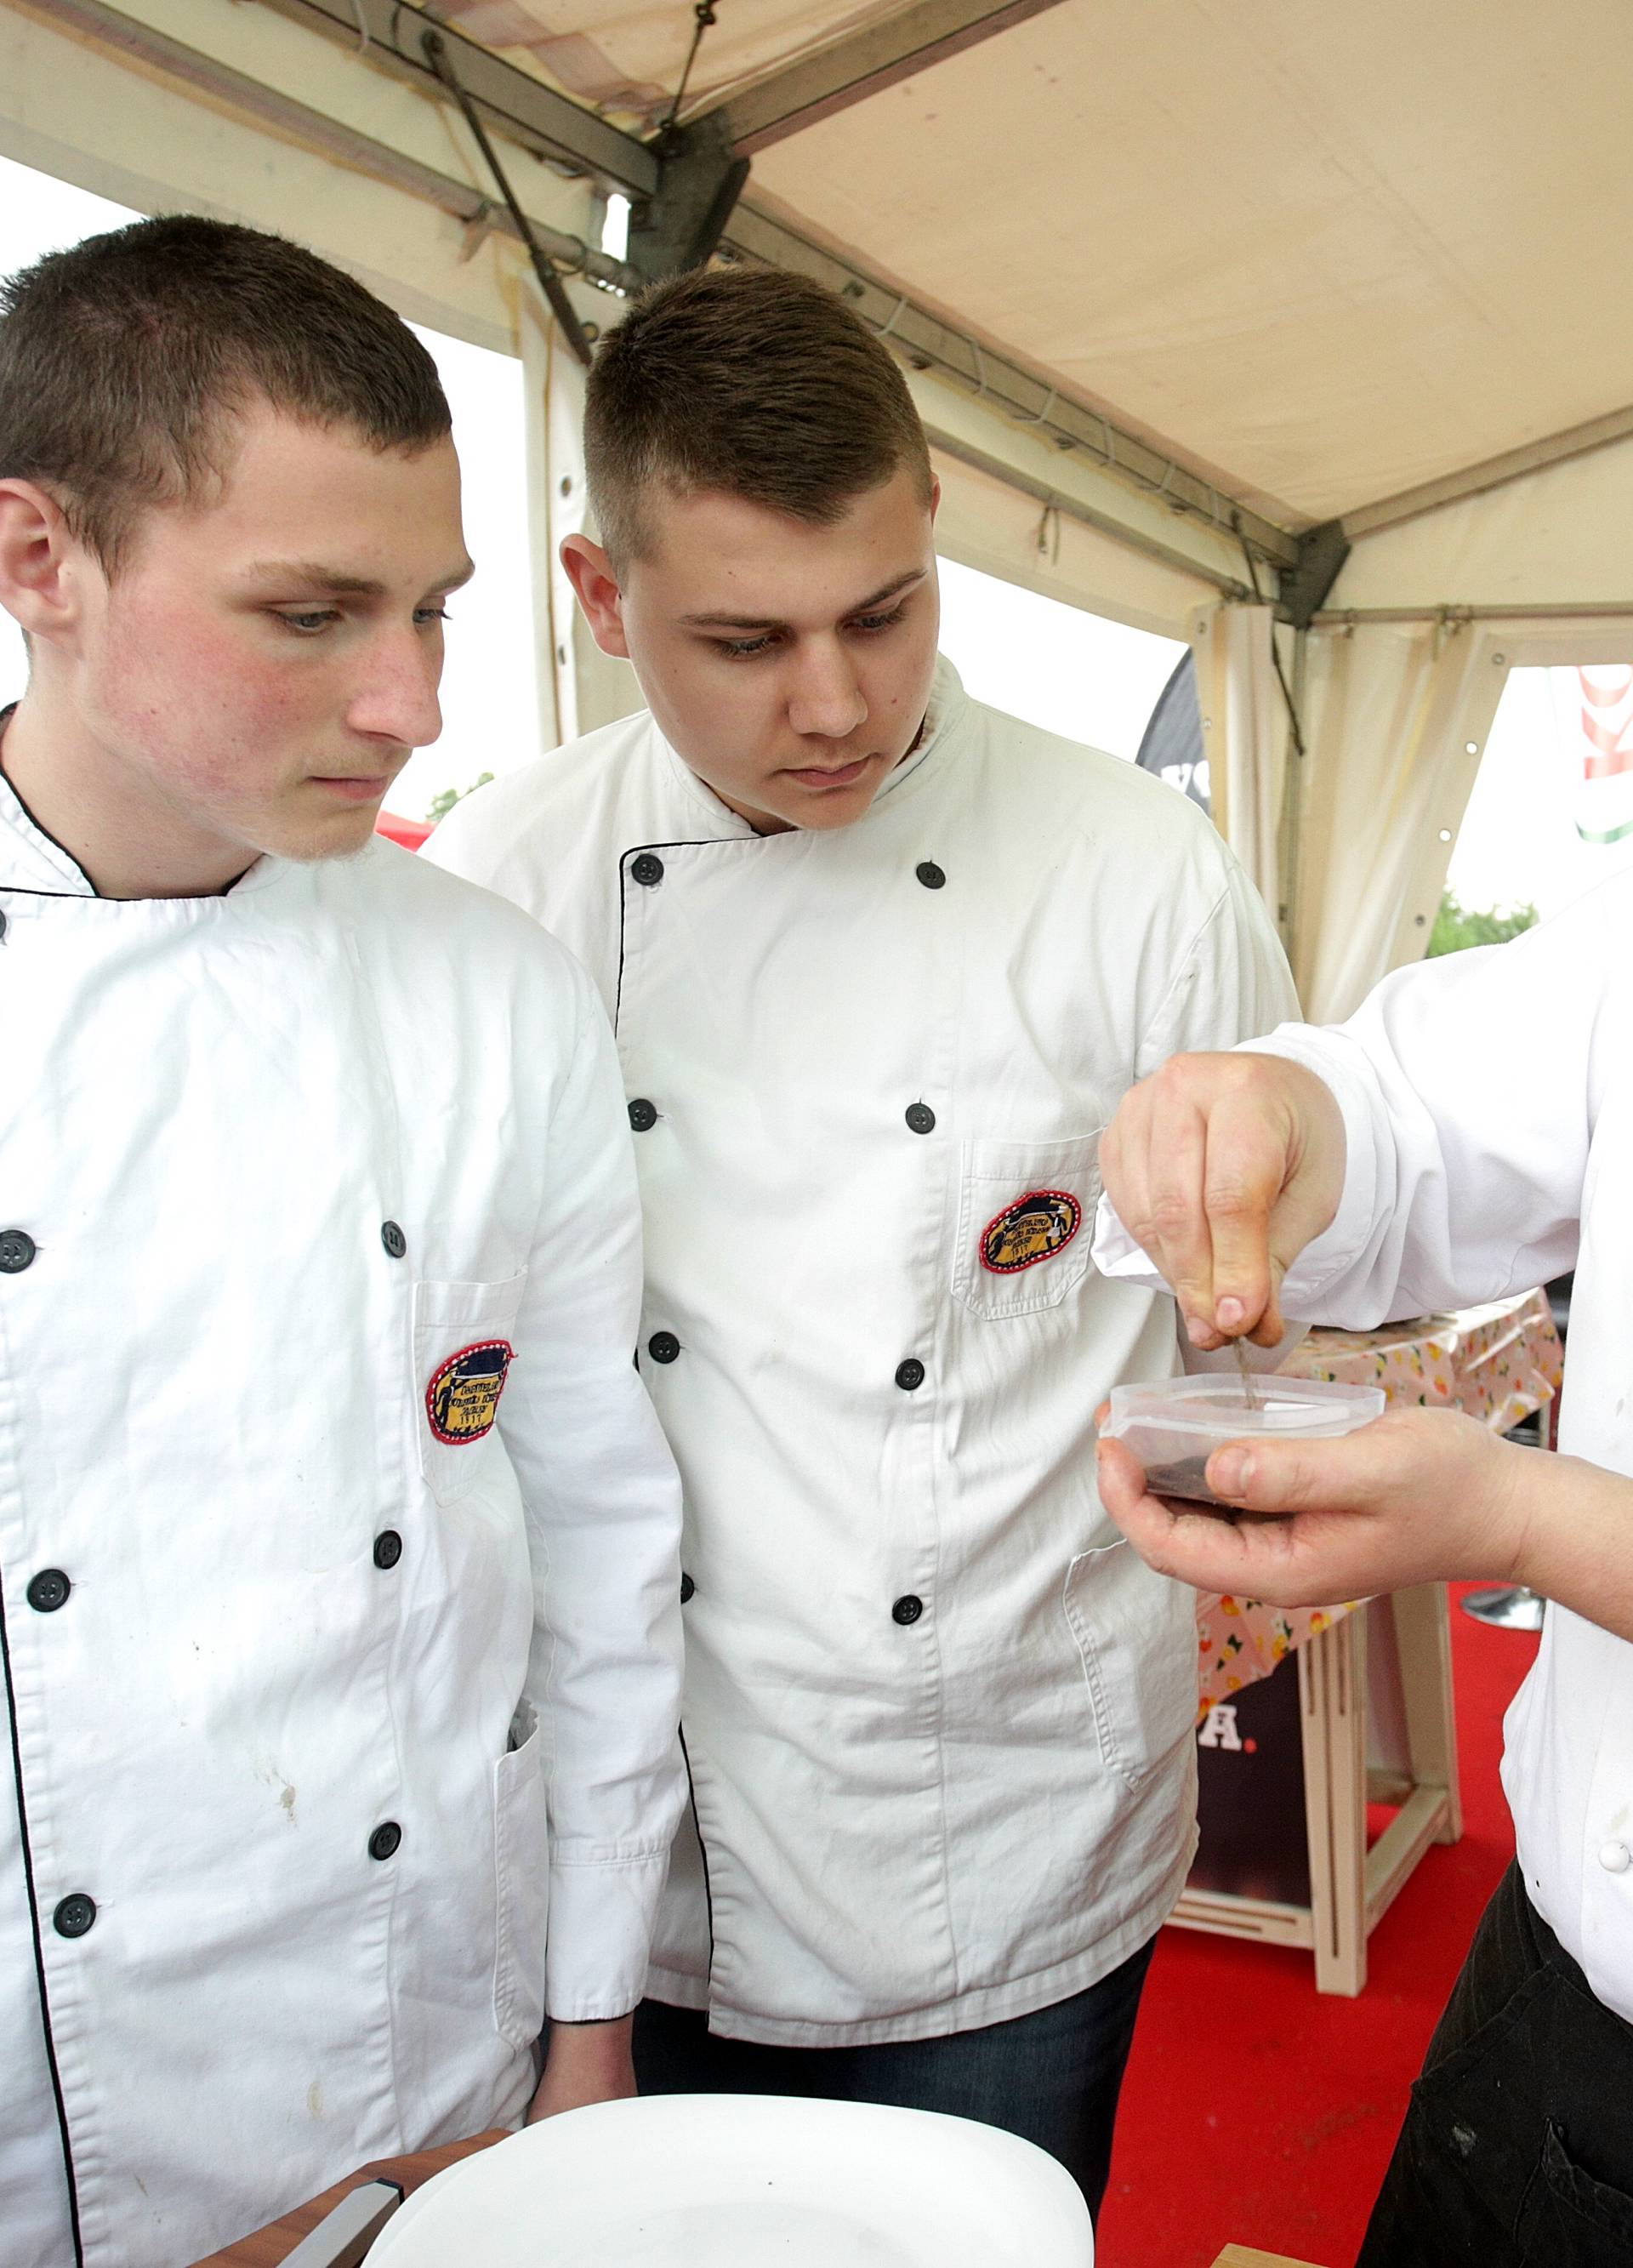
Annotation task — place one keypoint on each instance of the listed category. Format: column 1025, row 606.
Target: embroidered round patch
column 1036, row 1228
column 462, row 1400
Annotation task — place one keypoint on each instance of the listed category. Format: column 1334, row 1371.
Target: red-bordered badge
column 462, row 1400
column 1033, row 1229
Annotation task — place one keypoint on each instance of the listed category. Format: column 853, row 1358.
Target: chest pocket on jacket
column 462, row 1355
column 1026, row 1223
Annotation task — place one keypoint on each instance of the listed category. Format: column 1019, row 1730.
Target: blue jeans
column 1052, row 2077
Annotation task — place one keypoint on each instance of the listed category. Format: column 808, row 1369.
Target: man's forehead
column 324, row 501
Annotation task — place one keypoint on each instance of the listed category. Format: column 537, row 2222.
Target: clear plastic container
column 1175, row 1427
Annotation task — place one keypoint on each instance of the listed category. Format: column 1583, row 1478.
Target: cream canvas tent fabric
column 1163, row 277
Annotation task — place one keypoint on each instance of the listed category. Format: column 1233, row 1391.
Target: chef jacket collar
column 947, row 705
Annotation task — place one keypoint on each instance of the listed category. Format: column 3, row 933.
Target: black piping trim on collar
column 39, row 1961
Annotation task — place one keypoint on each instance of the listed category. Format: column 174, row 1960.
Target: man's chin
column 308, row 841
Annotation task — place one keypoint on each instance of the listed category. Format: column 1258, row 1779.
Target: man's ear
column 41, row 563
column 590, row 572
column 935, row 499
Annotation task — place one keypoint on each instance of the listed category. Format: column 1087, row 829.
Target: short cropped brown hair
column 750, row 382
column 123, row 358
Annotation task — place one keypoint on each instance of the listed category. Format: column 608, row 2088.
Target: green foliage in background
column 1456, row 927
column 443, row 804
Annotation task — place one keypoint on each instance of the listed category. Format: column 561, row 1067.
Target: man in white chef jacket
column 1412, row 1159
column 338, row 1541
column 882, row 963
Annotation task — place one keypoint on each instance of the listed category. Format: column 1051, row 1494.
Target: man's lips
column 830, row 774
column 364, row 787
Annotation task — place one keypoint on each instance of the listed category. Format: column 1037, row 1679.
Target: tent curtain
column 1395, row 719
column 1244, row 721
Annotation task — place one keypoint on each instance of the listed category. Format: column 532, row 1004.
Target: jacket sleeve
column 1231, row 983
column 1469, row 1087
column 603, row 1508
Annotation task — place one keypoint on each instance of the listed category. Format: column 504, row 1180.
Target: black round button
column 17, row 1250
column 686, row 1588
column 394, row 1239
column 388, row 1548
column 74, row 1914
column 385, row 1839
column 921, row 1117
column 663, row 1346
column 929, row 875
column 907, row 1610
column 2, row 923
column 911, row 1375
column 642, row 1115
column 646, row 870
column 49, row 1591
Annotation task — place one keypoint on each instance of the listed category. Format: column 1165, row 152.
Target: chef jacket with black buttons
column 338, row 1540
column 938, row 1718
column 1488, row 1107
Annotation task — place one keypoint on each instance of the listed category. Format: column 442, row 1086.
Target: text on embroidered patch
column 462, row 1400
column 1036, row 1228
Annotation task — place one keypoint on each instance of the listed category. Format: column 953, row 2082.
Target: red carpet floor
column 1260, row 2112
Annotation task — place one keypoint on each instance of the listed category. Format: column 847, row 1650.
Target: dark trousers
column 1517, row 2149
column 1052, row 2077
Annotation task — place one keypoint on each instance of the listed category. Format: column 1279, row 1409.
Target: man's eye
column 430, row 613
column 309, row 624
column 741, row 649
column 870, row 623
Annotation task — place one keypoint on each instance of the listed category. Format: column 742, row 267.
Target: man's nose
column 397, row 700
column 827, row 700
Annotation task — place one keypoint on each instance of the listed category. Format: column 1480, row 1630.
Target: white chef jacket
column 1488, row 1105
column 938, row 1716
column 275, row 1603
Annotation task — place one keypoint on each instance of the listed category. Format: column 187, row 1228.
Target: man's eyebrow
column 337, row 583
column 766, row 623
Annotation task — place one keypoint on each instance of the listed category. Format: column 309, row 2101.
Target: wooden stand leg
column 1423, row 1642
column 1332, row 1691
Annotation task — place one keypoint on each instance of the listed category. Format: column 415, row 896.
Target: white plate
column 746, row 2181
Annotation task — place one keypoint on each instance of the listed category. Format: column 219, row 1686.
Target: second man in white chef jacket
column 881, row 962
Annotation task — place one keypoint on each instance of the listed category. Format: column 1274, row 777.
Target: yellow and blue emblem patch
column 1033, row 1229
column 462, row 1400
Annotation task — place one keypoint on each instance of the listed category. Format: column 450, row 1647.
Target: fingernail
column 1232, row 1315
column 1197, row 1330
column 1229, row 1472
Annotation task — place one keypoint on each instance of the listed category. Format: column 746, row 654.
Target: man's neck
column 123, row 840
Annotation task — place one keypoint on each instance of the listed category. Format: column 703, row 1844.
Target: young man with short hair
column 337, row 1540
column 882, row 962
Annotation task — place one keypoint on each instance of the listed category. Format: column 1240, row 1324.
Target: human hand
column 1418, row 1496
column 1222, row 1168
column 585, row 2063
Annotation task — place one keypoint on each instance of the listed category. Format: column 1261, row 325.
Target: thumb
column 1284, row 1477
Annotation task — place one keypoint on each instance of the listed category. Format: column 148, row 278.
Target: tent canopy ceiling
column 1327, row 254
column 1307, row 264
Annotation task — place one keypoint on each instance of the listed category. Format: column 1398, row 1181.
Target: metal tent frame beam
column 316, row 129
column 848, row 70
column 390, row 34
column 1492, row 473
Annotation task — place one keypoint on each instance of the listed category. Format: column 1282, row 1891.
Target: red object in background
column 1256, row 2110
column 409, row 832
